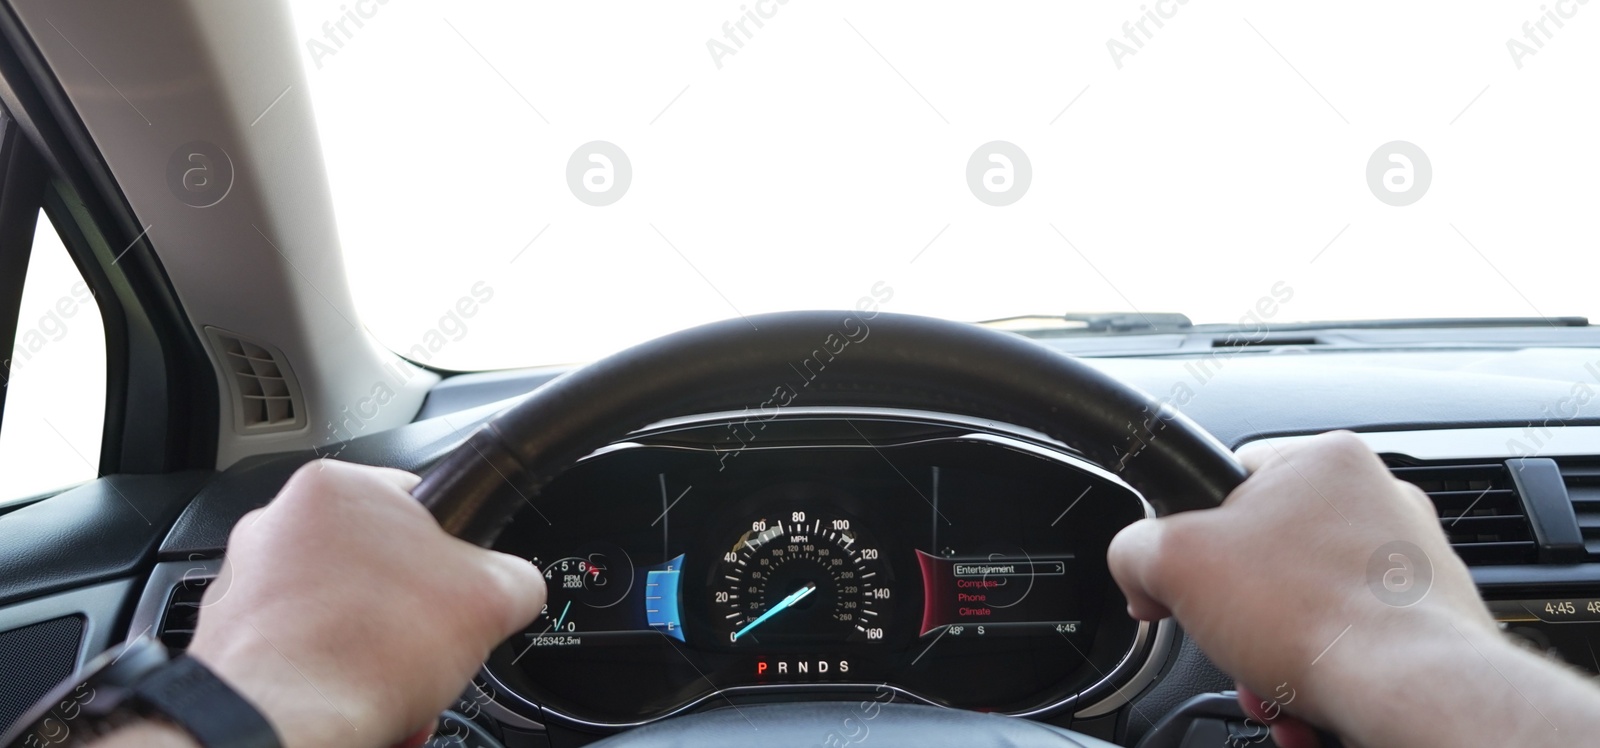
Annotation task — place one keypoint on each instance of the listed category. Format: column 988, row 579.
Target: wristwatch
column 138, row 681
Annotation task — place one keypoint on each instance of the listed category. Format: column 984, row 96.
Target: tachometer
column 801, row 580
column 598, row 594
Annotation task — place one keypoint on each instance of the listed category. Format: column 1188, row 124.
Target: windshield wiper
column 1107, row 323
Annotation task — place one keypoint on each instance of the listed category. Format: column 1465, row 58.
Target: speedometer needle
column 793, row 598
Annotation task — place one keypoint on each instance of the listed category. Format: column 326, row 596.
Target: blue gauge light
column 662, row 610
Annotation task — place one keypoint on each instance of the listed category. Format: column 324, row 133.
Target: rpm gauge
column 801, row 581
column 587, row 594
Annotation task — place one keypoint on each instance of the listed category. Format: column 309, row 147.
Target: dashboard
column 665, row 508
column 953, row 564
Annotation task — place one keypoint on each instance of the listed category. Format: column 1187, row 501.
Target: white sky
column 810, row 166
column 831, row 149
column 56, row 383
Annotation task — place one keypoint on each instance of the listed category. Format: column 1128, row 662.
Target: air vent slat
column 266, row 397
column 1478, row 509
column 182, row 614
column 1470, row 503
column 1583, row 487
column 1472, row 529
column 1484, row 554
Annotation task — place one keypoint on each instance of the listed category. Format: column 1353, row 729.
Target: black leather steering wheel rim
column 823, row 723
column 765, row 363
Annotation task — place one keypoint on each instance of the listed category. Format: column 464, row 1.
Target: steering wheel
column 849, row 359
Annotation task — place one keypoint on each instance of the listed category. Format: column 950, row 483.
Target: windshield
column 584, row 176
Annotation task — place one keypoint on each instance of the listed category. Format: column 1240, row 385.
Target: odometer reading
column 801, row 580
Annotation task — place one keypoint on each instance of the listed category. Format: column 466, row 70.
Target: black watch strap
column 186, row 692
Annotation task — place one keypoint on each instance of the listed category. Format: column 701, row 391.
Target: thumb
column 521, row 589
column 1133, row 556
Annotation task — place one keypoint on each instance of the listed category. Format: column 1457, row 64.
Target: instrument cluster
column 954, row 564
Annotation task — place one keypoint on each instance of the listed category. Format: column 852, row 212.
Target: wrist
column 146, row 733
column 137, row 694
column 275, row 687
column 1395, row 677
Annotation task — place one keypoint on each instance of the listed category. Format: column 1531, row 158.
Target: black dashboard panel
column 101, row 530
column 962, row 568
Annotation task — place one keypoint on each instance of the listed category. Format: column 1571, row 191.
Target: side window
column 55, row 378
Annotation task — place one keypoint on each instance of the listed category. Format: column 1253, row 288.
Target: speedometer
column 801, row 580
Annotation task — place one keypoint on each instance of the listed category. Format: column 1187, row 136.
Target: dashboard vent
column 266, row 397
column 1479, row 510
column 1583, row 486
column 182, row 614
